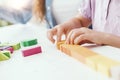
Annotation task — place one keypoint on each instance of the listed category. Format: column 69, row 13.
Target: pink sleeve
column 85, row 9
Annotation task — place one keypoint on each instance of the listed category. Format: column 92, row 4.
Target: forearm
column 112, row 40
column 77, row 22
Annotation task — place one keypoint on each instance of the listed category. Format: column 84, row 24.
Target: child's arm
column 85, row 35
column 65, row 28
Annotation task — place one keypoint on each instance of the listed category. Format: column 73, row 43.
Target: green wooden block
column 7, row 53
column 29, row 42
column 3, row 57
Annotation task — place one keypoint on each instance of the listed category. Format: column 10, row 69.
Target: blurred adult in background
column 16, row 11
column 52, row 11
column 43, row 11
column 55, row 11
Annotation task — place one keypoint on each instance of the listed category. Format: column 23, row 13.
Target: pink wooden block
column 31, row 51
column 10, row 49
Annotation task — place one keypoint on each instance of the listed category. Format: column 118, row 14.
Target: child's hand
column 85, row 35
column 59, row 30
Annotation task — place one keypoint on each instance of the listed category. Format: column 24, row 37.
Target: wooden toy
column 29, row 42
column 102, row 64
column 59, row 43
column 94, row 60
column 31, row 51
column 4, row 55
column 9, row 48
column 65, row 48
column 15, row 46
column 115, row 72
column 77, row 51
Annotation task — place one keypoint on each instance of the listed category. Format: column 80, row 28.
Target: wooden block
column 104, row 66
column 115, row 72
column 7, row 53
column 65, row 48
column 15, row 46
column 9, row 48
column 77, row 51
column 59, row 43
column 31, row 51
column 81, row 53
column 4, row 55
column 29, row 42
column 92, row 61
column 101, row 64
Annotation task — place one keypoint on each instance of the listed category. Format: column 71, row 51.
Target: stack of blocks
column 96, row 61
column 6, row 49
column 33, row 50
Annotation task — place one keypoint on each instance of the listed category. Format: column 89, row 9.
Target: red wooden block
column 31, row 51
column 10, row 49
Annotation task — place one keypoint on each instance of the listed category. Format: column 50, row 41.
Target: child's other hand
column 85, row 35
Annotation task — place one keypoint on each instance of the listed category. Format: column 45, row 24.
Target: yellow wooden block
column 115, row 72
column 101, row 64
column 91, row 62
column 105, row 65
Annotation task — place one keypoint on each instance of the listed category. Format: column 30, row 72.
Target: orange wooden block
column 65, row 48
column 77, row 51
column 59, row 43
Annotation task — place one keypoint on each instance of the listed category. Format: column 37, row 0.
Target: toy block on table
column 15, row 46
column 105, row 65
column 32, row 51
column 101, row 64
column 115, row 72
column 9, row 48
column 29, row 42
column 98, row 62
column 4, row 55
column 7, row 53
column 59, row 43
column 78, row 52
column 65, row 48
column 93, row 60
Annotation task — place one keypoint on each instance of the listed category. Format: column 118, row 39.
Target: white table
column 51, row 64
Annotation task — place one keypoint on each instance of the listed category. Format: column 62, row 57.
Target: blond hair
column 39, row 9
